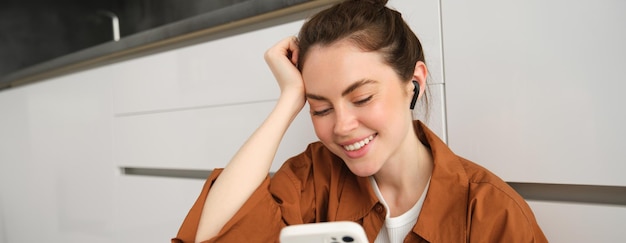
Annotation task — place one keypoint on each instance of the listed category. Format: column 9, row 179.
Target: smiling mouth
column 358, row 145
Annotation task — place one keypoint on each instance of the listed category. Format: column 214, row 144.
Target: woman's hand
column 282, row 59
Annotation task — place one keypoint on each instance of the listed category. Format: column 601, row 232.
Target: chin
column 362, row 171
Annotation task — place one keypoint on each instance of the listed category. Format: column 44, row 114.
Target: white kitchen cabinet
column 534, row 88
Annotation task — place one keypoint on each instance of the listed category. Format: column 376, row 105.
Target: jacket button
column 380, row 208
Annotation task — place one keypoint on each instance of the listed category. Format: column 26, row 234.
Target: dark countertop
column 245, row 13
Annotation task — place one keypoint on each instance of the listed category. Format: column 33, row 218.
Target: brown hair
column 369, row 25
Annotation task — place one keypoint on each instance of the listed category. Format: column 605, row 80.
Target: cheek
column 383, row 114
column 377, row 113
column 323, row 128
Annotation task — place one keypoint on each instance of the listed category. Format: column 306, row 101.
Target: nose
column 345, row 122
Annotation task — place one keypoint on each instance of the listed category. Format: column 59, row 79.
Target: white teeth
column 358, row 145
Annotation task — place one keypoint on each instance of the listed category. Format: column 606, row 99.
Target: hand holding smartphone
column 327, row 232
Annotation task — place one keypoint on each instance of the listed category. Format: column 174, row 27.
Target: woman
column 360, row 68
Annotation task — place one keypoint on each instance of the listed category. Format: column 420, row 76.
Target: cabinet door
column 534, row 88
column 55, row 170
column 577, row 222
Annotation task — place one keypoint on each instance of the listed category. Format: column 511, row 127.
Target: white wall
column 63, row 141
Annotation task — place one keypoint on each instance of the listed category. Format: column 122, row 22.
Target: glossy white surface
column 199, row 138
column 577, row 222
column 534, row 88
column 55, row 170
column 223, row 71
column 151, row 209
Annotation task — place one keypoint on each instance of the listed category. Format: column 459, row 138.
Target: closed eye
column 321, row 112
column 363, row 101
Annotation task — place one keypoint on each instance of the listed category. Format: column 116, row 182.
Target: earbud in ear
column 416, row 93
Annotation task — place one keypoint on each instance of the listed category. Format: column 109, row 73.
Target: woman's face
column 358, row 104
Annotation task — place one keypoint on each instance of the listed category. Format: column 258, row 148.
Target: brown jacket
column 465, row 202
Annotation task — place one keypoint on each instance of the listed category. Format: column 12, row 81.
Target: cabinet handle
column 115, row 22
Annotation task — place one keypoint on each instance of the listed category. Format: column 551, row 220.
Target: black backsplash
column 36, row 31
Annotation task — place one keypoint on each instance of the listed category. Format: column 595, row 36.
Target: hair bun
column 380, row 3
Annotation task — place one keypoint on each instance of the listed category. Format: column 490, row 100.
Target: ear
column 420, row 74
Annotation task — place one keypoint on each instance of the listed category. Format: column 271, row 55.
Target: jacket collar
column 357, row 197
column 443, row 215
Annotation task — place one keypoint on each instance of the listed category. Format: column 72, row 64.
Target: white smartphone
column 326, row 232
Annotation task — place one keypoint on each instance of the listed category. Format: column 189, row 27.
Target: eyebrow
column 347, row 91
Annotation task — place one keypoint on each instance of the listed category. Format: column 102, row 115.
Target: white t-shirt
column 396, row 228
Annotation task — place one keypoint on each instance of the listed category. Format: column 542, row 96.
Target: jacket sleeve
column 258, row 220
column 498, row 214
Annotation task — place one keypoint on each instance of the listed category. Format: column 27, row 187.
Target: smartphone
column 326, row 232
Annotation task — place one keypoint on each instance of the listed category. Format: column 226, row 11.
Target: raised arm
column 251, row 164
